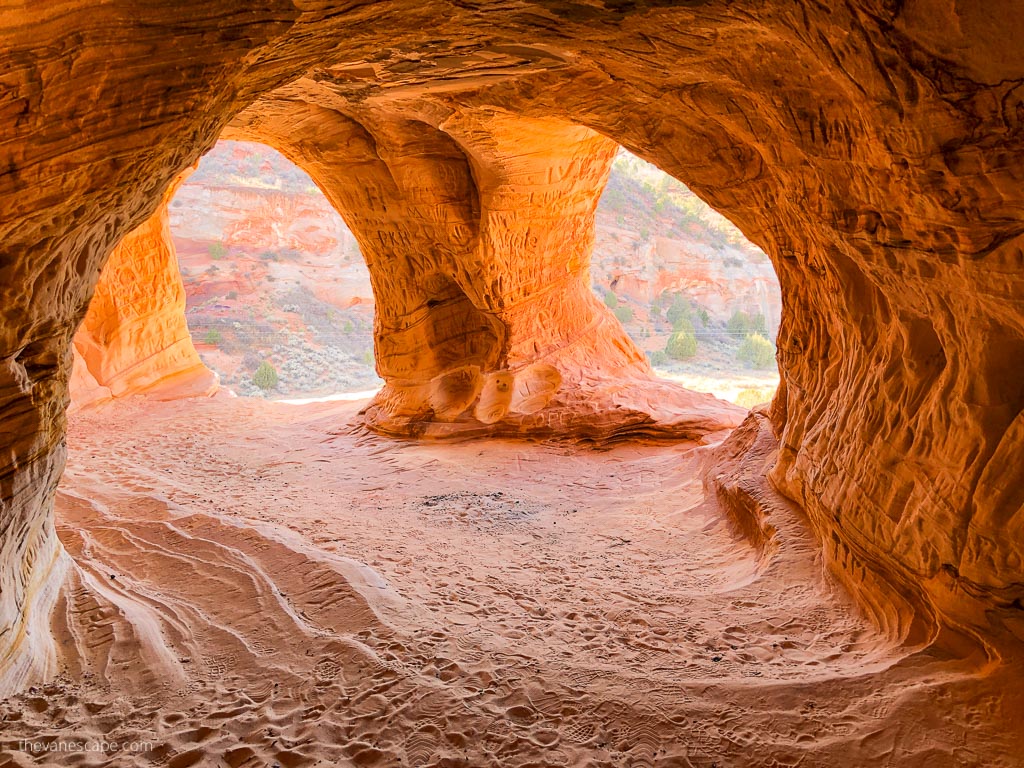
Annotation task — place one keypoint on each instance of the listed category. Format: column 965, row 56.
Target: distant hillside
column 667, row 263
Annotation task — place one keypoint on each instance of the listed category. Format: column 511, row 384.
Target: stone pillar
column 134, row 338
column 478, row 233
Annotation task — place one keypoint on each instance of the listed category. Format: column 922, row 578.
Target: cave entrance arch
column 275, row 282
column 274, row 279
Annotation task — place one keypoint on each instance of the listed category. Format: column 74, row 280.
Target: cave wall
column 873, row 149
column 134, row 338
column 477, row 232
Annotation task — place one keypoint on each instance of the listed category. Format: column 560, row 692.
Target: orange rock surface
column 874, row 150
column 478, row 240
column 134, row 338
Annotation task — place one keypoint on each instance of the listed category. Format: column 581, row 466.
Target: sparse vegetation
column 743, row 324
column 751, row 396
column 610, row 299
column 217, row 250
column 757, row 352
column 681, row 345
column 265, row 376
column 624, row 314
column 657, row 357
column 653, row 199
column 214, row 337
column 679, row 314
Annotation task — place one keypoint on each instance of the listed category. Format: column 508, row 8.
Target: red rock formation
column 134, row 338
column 478, row 234
column 874, row 150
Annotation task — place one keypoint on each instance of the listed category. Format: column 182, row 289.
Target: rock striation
column 873, row 150
column 134, row 338
column 477, row 235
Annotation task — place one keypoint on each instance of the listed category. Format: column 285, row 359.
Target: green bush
column 757, row 352
column 348, row 327
column 679, row 314
column 217, row 251
column 265, row 376
column 743, row 324
column 610, row 299
column 681, row 345
column 232, row 295
column 704, row 317
column 658, row 357
column 213, row 336
column 623, row 314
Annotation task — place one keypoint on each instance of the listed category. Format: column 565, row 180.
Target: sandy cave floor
column 258, row 584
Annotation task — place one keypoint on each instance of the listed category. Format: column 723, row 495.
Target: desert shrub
column 265, row 376
column 213, row 336
column 610, row 299
column 217, row 251
column 658, row 357
column 681, row 345
column 348, row 327
column 232, row 295
column 756, row 352
column 679, row 314
column 704, row 317
column 743, row 324
column 623, row 314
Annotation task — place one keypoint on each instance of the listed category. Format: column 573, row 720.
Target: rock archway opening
column 698, row 298
column 279, row 301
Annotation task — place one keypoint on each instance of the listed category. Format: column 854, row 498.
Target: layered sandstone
column 477, row 233
column 873, row 150
column 134, row 338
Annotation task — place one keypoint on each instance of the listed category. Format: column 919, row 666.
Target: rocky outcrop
column 134, row 338
column 477, row 234
column 720, row 282
column 874, row 151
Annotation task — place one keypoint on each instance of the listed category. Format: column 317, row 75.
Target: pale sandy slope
column 258, row 584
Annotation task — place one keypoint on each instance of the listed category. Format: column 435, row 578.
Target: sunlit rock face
column 478, row 236
column 874, row 152
column 134, row 338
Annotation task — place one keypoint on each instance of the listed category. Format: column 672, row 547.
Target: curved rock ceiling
column 873, row 150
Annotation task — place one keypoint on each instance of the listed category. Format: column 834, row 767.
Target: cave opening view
column 280, row 303
column 399, row 388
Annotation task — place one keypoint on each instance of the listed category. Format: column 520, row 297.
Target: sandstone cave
column 525, row 549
